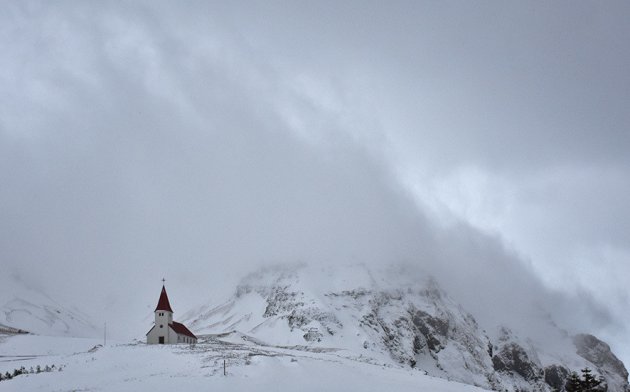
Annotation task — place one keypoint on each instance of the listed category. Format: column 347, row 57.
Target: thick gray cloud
column 152, row 155
column 197, row 141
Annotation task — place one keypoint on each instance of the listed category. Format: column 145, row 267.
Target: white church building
column 165, row 330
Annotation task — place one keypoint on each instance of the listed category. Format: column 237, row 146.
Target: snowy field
column 86, row 366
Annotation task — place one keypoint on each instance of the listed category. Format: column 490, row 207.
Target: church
column 165, row 330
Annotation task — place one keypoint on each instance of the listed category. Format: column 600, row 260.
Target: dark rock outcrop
column 513, row 358
column 431, row 329
column 556, row 376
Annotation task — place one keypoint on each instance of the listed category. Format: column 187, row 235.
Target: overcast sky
column 484, row 141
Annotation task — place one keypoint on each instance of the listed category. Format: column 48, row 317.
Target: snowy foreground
column 86, row 366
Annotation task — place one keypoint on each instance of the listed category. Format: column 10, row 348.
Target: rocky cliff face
column 607, row 364
column 391, row 318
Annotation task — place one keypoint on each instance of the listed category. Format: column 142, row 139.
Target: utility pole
column 224, row 372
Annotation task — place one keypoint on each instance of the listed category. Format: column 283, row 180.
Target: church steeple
column 165, row 330
column 163, row 303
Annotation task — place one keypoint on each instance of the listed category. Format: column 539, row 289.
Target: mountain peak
column 398, row 316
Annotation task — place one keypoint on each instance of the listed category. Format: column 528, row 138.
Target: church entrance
column 161, row 339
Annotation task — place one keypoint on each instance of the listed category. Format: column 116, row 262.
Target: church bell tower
column 163, row 314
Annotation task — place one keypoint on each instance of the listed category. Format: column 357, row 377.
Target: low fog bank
column 133, row 151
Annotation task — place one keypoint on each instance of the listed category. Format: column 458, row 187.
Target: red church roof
column 163, row 303
column 182, row 330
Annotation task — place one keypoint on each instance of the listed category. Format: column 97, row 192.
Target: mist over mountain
column 484, row 145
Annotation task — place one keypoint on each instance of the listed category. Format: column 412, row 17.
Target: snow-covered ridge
column 88, row 366
column 399, row 317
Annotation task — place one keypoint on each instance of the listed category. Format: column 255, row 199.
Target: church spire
column 163, row 303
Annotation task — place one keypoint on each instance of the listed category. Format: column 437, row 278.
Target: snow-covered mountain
column 24, row 308
column 396, row 317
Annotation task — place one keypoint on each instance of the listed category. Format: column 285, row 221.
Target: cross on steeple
column 163, row 280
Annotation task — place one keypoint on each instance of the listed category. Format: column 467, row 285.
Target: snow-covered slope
column 86, row 366
column 397, row 317
column 28, row 309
